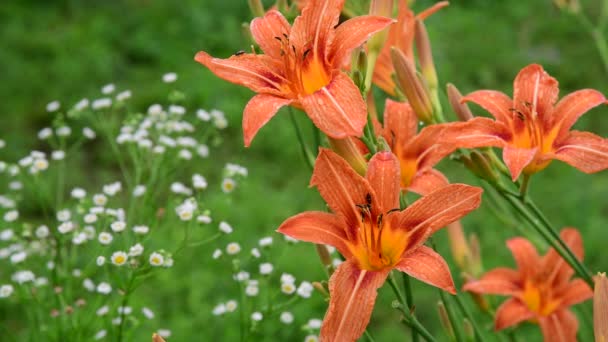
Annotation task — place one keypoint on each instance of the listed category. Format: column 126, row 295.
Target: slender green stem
column 409, row 319
column 523, row 189
column 456, row 325
column 369, row 336
column 305, row 152
column 465, row 311
column 409, row 298
column 125, row 301
column 547, row 232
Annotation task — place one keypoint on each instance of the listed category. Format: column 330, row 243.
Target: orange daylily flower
column 541, row 290
column 374, row 236
column 419, row 152
column 401, row 36
column 533, row 130
column 301, row 66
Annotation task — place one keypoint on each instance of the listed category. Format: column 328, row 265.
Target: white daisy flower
column 104, row 288
column 286, row 317
column 257, row 316
column 228, row 185
column 101, row 260
column 233, row 248
column 53, row 106
column 225, row 227
column 141, row 230
column 6, row 290
column 266, row 268
column 169, row 77
column 136, row 250
column 118, row 226
column 119, row 258
column 105, row 238
column 156, row 259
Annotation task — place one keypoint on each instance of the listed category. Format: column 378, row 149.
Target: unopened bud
column 486, row 171
column 382, row 8
column 469, row 332
column 157, row 338
column 600, row 308
column 321, row 288
column 480, row 165
column 425, row 55
column 323, row 254
column 256, row 7
column 348, row 149
column 444, row 318
column 476, row 266
column 461, row 109
column 411, row 85
column 69, row 309
column 458, row 244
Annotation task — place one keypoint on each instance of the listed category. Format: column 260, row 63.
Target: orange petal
column 494, row 102
column 259, row 110
column 315, row 27
column 352, row 34
column 256, row 72
column 560, row 326
column 600, row 308
column 428, row 147
column 499, row 281
column 576, row 292
column 383, row 175
column 428, row 182
column 265, row 30
column 431, row 10
column 338, row 108
column 341, row 187
column 400, row 123
column 525, row 255
column 534, row 86
column 426, row 265
column 352, row 296
column 583, row 150
column 317, row 227
column 517, row 159
column 572, row 106
column 436, row 210
column 511, row 312
column 477, row 132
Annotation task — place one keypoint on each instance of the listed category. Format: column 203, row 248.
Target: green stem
column 125, row 301
column 409, row 298
column 523, row 189
column 456, row 325
column 465, row 311
column 409, row 319
column 305, row 152
column 369, row 336
column 547, row 232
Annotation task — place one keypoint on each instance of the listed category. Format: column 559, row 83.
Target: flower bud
column 461, row 109
column 321, row 288
column 383, row 8
column 479, row 163
column 425, row 55
column 348, row 149
column 600, row 308
column 157, row 338
column 458, row 244
column 411, row 85
column 256, row 7
column 445, row 320
column 323, row 255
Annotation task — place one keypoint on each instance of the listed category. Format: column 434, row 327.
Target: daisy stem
column 409, row 298
column 305, row 152
column 408, row 318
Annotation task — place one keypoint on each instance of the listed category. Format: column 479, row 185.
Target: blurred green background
column 67, row 49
